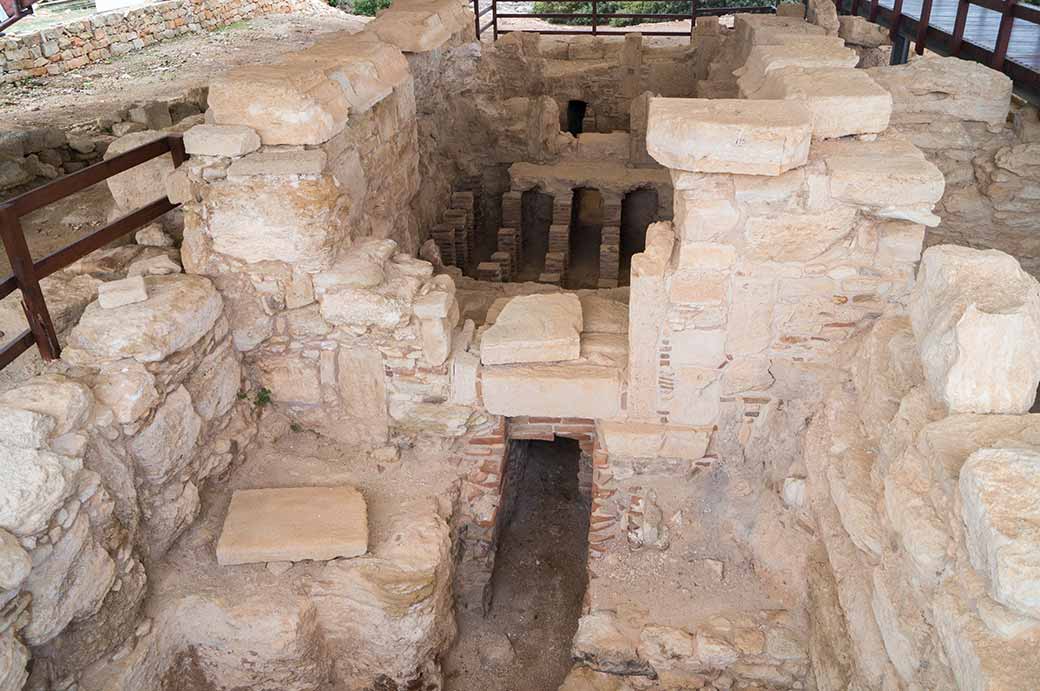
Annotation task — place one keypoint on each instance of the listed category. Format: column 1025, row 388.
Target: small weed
column 263, row 397
column 241, row 395
column 241, row 24
column 295, row 427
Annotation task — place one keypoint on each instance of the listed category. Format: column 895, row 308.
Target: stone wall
column 112, row 34
column 922, row 484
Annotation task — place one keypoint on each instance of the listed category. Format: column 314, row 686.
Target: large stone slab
column 843, row 101
column 976, row 318
column 144, row 183
column 764, row 137
column 179, row 310
column 891, row 175
column 1000, row 489
column 818, row 51
column 293, row 524
column 936, row 87
column 285, row 104
column 534, row 328
column 563, row 390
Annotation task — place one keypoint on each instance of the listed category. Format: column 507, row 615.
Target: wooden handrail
column 27, row 274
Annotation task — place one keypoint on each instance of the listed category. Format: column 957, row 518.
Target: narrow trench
column 524, row 641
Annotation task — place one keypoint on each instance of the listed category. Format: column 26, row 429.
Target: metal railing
column 27, row 274
column 598, row 19
column 903, row 28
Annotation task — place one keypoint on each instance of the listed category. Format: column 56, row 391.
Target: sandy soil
column 524, row 643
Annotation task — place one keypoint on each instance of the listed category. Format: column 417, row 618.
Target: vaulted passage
column 539, row 580
column 536, row 215
column 575, row 116
column 585, row 238
column 638, row 210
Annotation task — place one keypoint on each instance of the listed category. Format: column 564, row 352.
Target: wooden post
column 594, row 10
column 958, row 27
column 897, row 18
column 1007, row 23
column 32, row 296
column 922, row 27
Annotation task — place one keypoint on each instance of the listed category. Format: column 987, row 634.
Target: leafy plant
column 263, row 397
column 608, row 7
column 369, row 8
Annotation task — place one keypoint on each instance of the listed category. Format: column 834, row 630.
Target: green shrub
column 632, row 7
column 370, row 7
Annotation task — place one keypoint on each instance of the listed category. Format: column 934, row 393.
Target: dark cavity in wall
column 575, row 116
column 585, row 238
column 638, row 210
column 539, row 577
column 536, row 209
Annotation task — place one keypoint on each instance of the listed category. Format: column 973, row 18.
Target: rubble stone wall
column 112, row 34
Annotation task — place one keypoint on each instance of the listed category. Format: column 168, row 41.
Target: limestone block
column 565, row 390
column 824, row 14
column 936, row 87
column 802, row 52
column 436, row 304
column 15, row 563
column 34, row 486
column 179, row 311
column 729, row 135
column 127, row 388
column 359, row 267
column 464, row 371
column 284, row 103
column 860, row 31
column 353, row 306
column 292, row 379
column 144, row 183
column 214, row 383
column 436, row 340
column 14, row 661
column 534, row 328
column 786, row 236
column 152, row 235
column 603, row 315
column 976, row 317
column 301, row 220
column 166, row 446
column 1000, row 491
column 843, row 101
column 362, row 388
column 438, row 419
column 634, row 439
column 888, row 174
column 411, row 30
column 69, row 403
column 280, row 163
column 160, row 265
column 70, row 584
column 695, row 400
column 602, row 644
column 126, row 291
column 293, row 524
column 221, row 140
column 25, row 429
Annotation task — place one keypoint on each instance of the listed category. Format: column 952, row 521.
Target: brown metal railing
column 903, row 28
column 27, row 274
column 600, row 19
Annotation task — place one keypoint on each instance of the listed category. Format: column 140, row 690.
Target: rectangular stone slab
column 293, row 524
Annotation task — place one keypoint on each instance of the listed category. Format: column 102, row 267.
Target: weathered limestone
column 810, row 52
column 1000, row 489
column 126, row 291
column 843, row 101
column 860, row 31
column 764, row 137
column 178, row 311
column 563, row 390
column 144, row 183
column 534, row 328
column 293, row 524
column 932, row 87
column 651, row 440
column 976, row 317
column 220, row 140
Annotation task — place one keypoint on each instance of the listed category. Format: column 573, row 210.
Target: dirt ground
column 165, row 69
column 524, row 643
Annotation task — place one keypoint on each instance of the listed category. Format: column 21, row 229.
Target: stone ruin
column 282, row 453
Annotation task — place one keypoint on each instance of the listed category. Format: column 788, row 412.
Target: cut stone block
column 932, row 87
column 285, row 104
column 860, row 31
column 819, row 51
column 1000, row 489
column 887, row 174
column 764, row 137
column 146, row 182
column 123, row 292
column 976, row 318
column 652, row 440
column 293, row 524
column 843, row 101
column 221, row 140
column 534, row 328
column 305, row 162
column 564, row 390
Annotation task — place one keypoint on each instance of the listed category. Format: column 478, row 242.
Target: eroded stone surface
column 534, row 328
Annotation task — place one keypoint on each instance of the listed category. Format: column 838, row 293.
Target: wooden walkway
column 980, row 29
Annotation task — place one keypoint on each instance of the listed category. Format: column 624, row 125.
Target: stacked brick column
column 610, row 241
column 604, row 518
column 461, row 220
column 466, row 201
column 444, row 235
column 509, row 245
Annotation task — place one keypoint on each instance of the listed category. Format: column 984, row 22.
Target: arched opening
column 585, row 237
column 576, row 116
column 536, row 217
column 638, row 210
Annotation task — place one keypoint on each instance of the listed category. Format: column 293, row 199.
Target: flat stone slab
column 764, row 137
column 534, row 328
column 558, row 390
column 293, row 524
